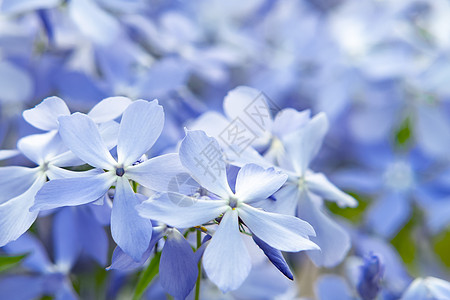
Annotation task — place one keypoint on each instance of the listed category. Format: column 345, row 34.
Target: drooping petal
column 282, row 232
column 130, row 231
column 81, row 135
column 318, row 184
column 15, row 181
column 178, row 266
column 256, row 183
column 303, row 144
column 73, row 191
column 15, row 217
column 141, row 125
column 157, row 173
column 181, row 211
column 66, row 238
column 275, row 256
column 202, row 156
column 226, row 259
column 45, row 115
column 109, row 109
column 333, row 240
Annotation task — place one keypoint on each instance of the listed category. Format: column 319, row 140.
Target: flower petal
column 181, row 211
column 21, row 287
column 5, row 154
column 81, row 135
column 282, row 232
column 303, row 144
column 141, row 125
column 318, row 184
column 66, row 238
column 109, row 109
column 226, row 259
column 256, row 183
column 15, row 215
column 73, row 191
column 130, row 231
column 157, row 173
column 333, row 240
column 202, row 156
column 178, row 266
column 15, row 180
column 45, row 115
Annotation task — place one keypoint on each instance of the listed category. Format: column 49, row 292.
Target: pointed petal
column 45, row 115
column 66, row 239
column 282, row 232
column 275, row 256
column 333, row 240
column 109, row 109
column 15, row 217
column 256, row 183
column 304, row 144
column 318, row 184
column 181, row 211
column 81, row 135
column 157, row 173
column 131, row 232
column 15, row 181
column 178, row 266
column 226, row 259
column 202, row 156
column 141, row 125
column 73, row 191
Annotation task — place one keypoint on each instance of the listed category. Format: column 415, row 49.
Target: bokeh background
column 379, row 69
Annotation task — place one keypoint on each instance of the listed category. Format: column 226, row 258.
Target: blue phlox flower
column 427, row 288
column 226, row 259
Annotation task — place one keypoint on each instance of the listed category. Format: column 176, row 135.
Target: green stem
column 199, row 278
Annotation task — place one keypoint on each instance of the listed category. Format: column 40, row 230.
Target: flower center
column 233, row 202
column 120, row 172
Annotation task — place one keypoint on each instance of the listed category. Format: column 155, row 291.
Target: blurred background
column 379, row 69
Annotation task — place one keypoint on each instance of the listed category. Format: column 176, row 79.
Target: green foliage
column 147, row 276
column 441, row 245
column 353, row 214
column 8, row 262
column 404, row 133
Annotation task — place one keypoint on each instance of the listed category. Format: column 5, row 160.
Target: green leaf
column 441, row 245
column 8, row 262
column 404, row 134
column 147, row 276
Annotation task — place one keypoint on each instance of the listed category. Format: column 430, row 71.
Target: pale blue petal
column 66, row 291
column 333, row 240
column 21, row 287
column 6, row 154
column 109, row 109
column 82, row 137
column 16, row 83
column 181, row 211
column 388, row 214
column 282, row 232
column 73, row 191
column 54, row 172
column 66, row 238
column 15, row 181
column 37, row 259
column 15, row 215
column 94, row 22
column 45, row 115
column 202, row 156
column 109, row 132
column 304, row 144
column 328, row 287
column 318, row 184
column 141, row 125
column 123, row 262
column 212, row 123
column 41, row 147
column 157, row 173
column 178, row 266
column 256, row 183
column 226, row 260
column 289, row 120
column 130, row 231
